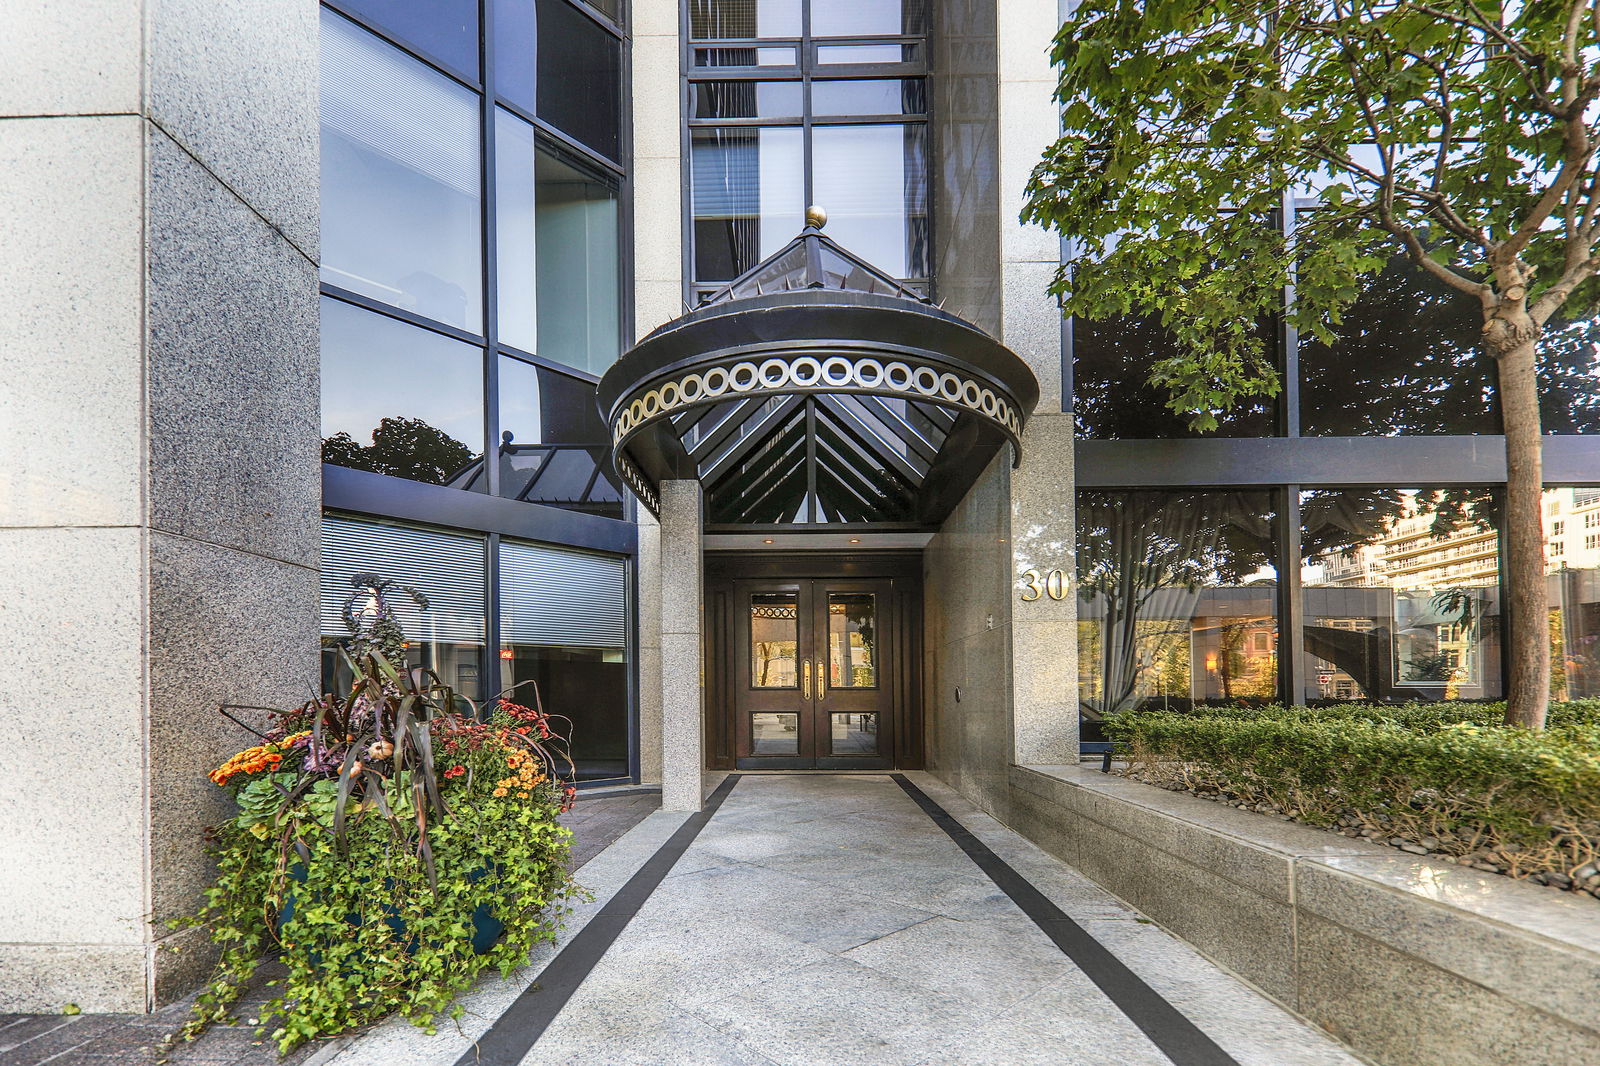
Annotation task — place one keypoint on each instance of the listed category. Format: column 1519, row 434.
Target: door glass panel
column 855, row 734
column 774, row 733
column 774, row 640
column 852, row 633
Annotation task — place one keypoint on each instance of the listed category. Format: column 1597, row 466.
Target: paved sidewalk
column 596, row 821
column 829, row 920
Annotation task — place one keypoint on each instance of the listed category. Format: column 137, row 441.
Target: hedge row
column 1522, row 801
column 1409, row 715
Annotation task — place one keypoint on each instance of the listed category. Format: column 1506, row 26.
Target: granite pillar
column 159, row 441
column 682, row 657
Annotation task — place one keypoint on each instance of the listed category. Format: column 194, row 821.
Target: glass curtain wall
column 1397, row 592
column 792, row 105
column 471, row 244
column 474, row 171
column 1401, row 595
column 1177, row 600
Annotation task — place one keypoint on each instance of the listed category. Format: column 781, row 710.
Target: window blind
column 564, row 598
column 449, row 569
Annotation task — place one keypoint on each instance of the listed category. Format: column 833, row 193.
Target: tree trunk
column 1527, row 629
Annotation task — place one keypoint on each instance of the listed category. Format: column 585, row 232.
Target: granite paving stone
column 826, row 920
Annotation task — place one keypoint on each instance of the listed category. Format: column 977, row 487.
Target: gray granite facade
column 1012, row 660
column 158, row 527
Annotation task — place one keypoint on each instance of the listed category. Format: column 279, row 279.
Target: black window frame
column 361, row 494
column 805, row 70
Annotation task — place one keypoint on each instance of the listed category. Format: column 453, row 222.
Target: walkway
column 826, row 920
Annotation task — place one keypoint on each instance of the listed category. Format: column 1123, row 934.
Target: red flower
column 455, row 771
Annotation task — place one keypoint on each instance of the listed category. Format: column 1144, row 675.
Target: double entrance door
column 812, row 684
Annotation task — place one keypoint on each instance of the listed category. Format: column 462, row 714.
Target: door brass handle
column 805, row 679
column 822, row 682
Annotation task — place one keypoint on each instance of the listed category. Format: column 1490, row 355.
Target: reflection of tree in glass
column 1409, row 359
column 1425, row 666
column 1143, row 558
column 402, row 447
column 1112, row 397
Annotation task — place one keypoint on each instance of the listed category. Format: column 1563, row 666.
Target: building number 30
column 1037, row 585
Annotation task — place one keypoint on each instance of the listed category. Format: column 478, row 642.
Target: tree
column 1459, row 134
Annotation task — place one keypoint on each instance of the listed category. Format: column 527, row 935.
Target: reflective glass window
column 1401, row 594
column 868, row 18
column 849, row 54
column 1112, row 397
column 398, row 399
column 1574, row 589
column 748, row 99
column 873, row 182
column 516, row 49
column 580, row 77
column 516, row 240
column 1569, row 373
column 578, row 275
column 446, row 29
column 743, row 19
column 559, row 277
column 448, row 570
column 1407, row 360
column 765, row 56
column 563, row 626
column 519, row 402
column 1177, row 600
column 749, row 196
column 553, row 447
column 400, row 179
column 869, row 96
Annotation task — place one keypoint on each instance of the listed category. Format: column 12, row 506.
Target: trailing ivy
column 1522, row 800
column 378, row 833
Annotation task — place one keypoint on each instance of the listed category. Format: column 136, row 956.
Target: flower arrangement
column 392, row 842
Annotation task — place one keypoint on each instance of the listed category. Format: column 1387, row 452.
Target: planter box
column 486, row 928
column 1409, row 960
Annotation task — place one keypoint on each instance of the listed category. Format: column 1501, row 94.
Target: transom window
column 800, row 102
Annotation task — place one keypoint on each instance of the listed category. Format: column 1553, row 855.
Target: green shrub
column 1524, row 800
column 1411, row 715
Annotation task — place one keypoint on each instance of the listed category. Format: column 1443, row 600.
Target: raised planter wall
column 1411, row 961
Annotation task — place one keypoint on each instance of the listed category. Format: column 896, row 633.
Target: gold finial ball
column 816, row 217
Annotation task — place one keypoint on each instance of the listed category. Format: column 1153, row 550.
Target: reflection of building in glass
column 1444, row 586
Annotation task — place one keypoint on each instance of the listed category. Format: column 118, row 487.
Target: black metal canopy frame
column 815, row 389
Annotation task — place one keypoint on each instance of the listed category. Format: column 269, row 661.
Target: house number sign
column 1036, row 585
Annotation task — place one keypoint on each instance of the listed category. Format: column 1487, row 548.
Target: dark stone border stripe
column 1178, row 1038
column 514, row 1033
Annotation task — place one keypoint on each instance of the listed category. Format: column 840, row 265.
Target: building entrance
column 812, row 672
column 810, row 690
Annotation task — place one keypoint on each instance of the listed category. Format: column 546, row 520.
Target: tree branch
column 1550, row 301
